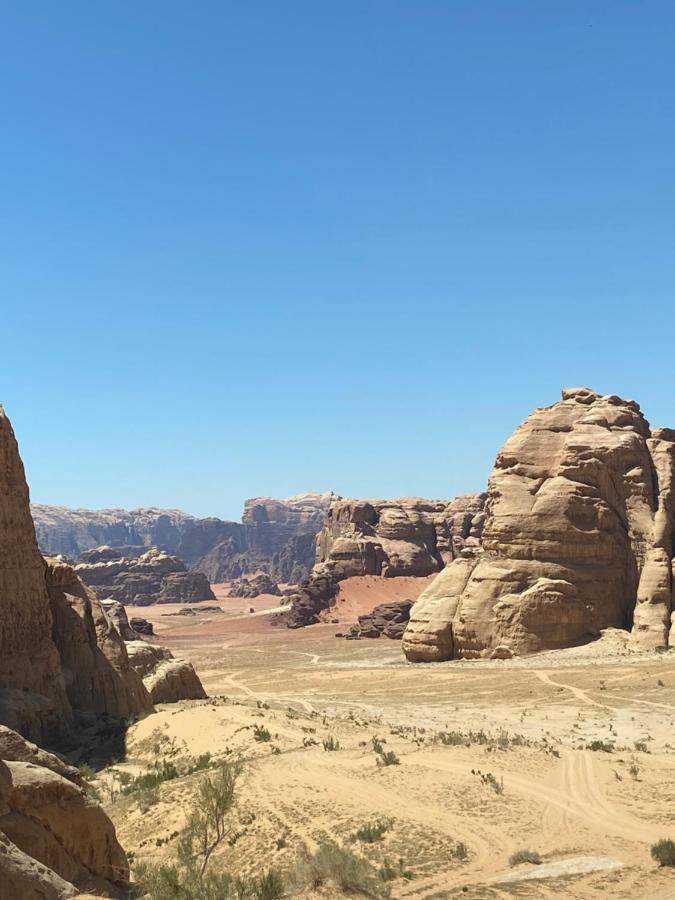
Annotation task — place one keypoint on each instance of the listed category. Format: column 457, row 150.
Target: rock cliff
column 139, row 579
column 578, row 537
column 274, row 536
column 408, row 536
column 33, row 696
column 54, row 841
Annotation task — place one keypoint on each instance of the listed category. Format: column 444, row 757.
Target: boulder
column 253, row 587
column 166, row 678
column 54, row 840
column 578, row 538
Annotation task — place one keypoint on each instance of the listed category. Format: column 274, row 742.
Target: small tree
column 206, row 827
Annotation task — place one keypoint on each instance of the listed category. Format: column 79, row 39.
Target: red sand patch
column 360, row 595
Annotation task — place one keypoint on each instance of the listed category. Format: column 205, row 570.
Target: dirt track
column 559, row 798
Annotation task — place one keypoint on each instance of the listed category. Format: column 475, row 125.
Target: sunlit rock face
column 578, row 537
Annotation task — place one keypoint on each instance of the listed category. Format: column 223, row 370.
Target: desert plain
column 569, row 754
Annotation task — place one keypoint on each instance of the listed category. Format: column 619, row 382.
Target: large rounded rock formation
column 578, row 538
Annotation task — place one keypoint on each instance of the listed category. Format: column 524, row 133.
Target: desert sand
column 495, row 757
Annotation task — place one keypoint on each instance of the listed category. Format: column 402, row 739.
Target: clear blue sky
column 264, row 247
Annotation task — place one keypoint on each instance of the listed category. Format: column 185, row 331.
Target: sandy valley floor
column 591, row 813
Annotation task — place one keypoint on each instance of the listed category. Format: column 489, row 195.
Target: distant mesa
column 276, row 537
column 579, row 537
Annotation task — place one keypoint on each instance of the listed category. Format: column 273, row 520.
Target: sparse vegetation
column 261, row 734
column 206, row 829
column 373, row 831
column 664, row 853
column 601, row 746
column 384, row 757
column 330, row 743
column 490, row 780
column 525, row 856
column 339, row 865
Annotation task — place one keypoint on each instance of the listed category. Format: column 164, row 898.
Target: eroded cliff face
column 275, row 536
column 54, row 841
column 33, row 696
column 141, row 578
column 578, row 537
column 99, row 677
column 408, row 536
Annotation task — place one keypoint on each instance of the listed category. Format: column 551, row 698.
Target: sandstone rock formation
column 276, row 536
column 388, row 619
column 166, row 678
column 578, row 538
column 33, row 696
column 253, row 587
column 54, row 841
column 409, row 536
column 141, row 579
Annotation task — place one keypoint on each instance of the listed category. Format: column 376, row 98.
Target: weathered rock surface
column 33, row 697
column 166, row 678
column 391, row 538
column 54, row 841
column 153, row 576
column 98, row 675
column 253, row 587
column 388, row 619
column 578, row 538
column 276, row 536
column 409, row 536
column 141, row 626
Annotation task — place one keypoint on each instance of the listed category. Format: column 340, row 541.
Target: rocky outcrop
column 275, row 536
column 578, row 538
column 253, row 587
column 142, row 626
column 153, row 576
column 33, row 697
column 99, row 678
column 390, row 538
column 54, row 841
column 388, row 619
column 409, row 536
column 166, row 678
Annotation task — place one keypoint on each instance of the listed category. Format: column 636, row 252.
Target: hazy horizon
column 259, row 250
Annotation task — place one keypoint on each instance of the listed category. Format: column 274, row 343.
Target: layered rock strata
column 578, row 537
column 153, row 576
column 275, row 536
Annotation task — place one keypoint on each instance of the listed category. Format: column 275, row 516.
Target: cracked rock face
column 578, row 537
column 54, row 841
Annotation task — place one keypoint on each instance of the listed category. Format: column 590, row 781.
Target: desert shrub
column 601, row 746
column 460, row 851
column 641, row 746
column 525, row 856
column 147, row 797
column 490, row 780
column 373, row 831
column 664, row 853
column 269, row 886
column 377, row 745
column 344, row 868
column 261, row 734
column 331, row 743
column 388, row 758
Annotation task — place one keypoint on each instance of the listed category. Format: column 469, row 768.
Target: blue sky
column 259, row 248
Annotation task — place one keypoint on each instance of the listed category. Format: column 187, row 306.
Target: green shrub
column 388, row 758
column 664, row 853
column 261, row 734
column 344, row 868
column 373, row 831
column 525, row 856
